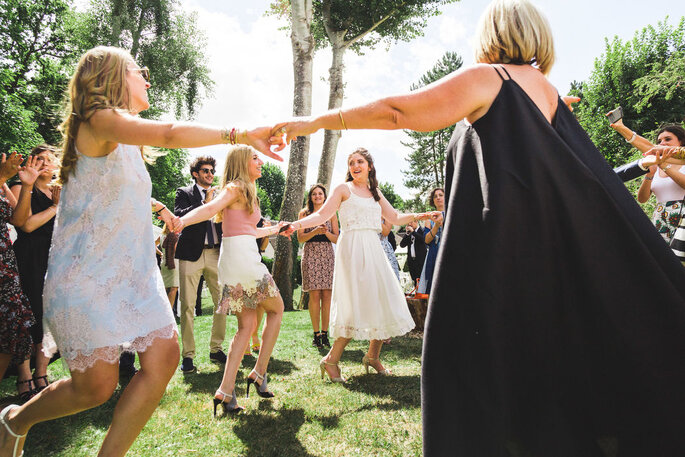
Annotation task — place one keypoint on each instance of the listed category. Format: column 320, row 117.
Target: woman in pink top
column 245, row 280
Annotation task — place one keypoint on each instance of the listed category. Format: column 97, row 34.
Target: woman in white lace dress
column 367, row 301
column 245, row 281
column 103, row 291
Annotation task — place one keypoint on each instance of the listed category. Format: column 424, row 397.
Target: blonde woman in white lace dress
column 367, row 301
column 103, row 291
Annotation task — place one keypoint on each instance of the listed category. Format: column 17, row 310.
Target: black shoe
column 187, row 365
column 324, row 340
column 316, row 342
column 218, row 356
column 126, row 366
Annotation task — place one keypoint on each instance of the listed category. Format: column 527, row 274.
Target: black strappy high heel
column 262, row 388
column 27, row 394
column 230, row 407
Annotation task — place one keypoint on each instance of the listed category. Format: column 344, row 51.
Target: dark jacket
column 630, row 171
column 418, row 238
column 192, row 239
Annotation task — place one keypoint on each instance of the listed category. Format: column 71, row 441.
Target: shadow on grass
column 403, row 391
column 252, row 428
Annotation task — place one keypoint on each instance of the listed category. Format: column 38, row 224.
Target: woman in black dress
column 556, row 320
column 15, row 313
column 32, row 248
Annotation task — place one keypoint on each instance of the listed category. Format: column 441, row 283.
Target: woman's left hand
column 56, row 194
column 569, row 100
column 262, row 139
column 285, row 132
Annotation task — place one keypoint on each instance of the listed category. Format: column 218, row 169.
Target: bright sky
column 251, row 63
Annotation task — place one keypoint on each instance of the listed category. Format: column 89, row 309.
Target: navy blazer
column 192, row 239
column 630, row 171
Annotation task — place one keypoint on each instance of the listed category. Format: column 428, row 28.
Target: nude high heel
column 366, row 361
column 322, row 365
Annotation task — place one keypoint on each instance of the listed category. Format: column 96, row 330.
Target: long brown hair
column 99, row 82
column 309, row 209
column 237, row 170
column 373, row 182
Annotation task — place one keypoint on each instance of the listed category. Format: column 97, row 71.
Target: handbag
column 677, row 243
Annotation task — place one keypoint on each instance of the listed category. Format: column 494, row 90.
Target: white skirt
column 367, row 301
column 244, row 279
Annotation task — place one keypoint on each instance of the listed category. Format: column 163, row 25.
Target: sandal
column 3, row 421
column 38, row 388
column 28, row 393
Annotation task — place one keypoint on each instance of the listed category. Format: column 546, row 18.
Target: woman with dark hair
column 557, row 313
column 666, row 180
column 432, row 238
column 32, row 248
column 367, row 301
column 318, row 261
column 16, row 317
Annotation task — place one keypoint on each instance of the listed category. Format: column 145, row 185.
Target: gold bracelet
column 342, row 121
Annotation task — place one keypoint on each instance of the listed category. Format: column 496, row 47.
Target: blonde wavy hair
column 514, row 31
column 237, row 171
column 99, row 82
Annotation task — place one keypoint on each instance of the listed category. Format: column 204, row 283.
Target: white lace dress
column 103, row 290
column 367, row 301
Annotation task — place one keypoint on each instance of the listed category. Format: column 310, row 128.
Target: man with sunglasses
column 198, row 254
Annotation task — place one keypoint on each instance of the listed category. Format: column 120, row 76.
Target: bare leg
column 374, row 354
column 255, row 334
column 64, row 397
column 24, row 374
column 41, row 367
column 333, row 356
column 141, row 397
column 274, row 314
column 325, row 308
column 314, row 309
column 247, row 319
column 171, row 295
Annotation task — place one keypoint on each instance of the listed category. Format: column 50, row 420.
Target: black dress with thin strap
column 32, row 249
column 556, row 325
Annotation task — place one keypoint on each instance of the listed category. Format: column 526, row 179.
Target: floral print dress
column 16, row 317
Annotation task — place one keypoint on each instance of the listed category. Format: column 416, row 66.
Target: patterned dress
column 15, row 313
column 318, row 262
column 390, row 254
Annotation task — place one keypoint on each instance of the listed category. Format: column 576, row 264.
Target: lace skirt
column 244, row 279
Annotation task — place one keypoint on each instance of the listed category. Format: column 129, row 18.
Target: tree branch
column 349, row 43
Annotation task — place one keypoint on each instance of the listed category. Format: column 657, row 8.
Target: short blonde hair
column 514, row 31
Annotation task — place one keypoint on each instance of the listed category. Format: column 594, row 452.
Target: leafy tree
column 356, row 25
column 427, row 159
column 167, row 174
column 160, row 36
column 642, row 75
column 389, row 193
column 272, row 183
column 36, row 46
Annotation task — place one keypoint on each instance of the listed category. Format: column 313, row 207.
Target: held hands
column 284, row 133
column 176, row 224
column 263, row 138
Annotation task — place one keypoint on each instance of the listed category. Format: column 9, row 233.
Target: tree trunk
column 335, row 99
column 303, row 52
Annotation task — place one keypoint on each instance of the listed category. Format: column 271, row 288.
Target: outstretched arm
column 642, row 143
column 226, row 197
column 327, row 211
column 394, row 217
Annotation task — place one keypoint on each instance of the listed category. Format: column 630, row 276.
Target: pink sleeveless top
column 240, row 222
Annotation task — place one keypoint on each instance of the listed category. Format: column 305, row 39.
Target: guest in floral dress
column 318, row 261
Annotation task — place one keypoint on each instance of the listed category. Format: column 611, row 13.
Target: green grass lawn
column 370, row 415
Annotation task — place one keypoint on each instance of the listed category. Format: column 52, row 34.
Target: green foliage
column 37, row 49
column 427, row 159
column 167, row 174
column 271, row 185
column 265, row 203
column 161, row 37
column 644, row 76
column 393, row 198
column 366, row 24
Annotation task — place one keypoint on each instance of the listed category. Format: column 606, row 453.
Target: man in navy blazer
column 413, row 240
column 198, row 254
